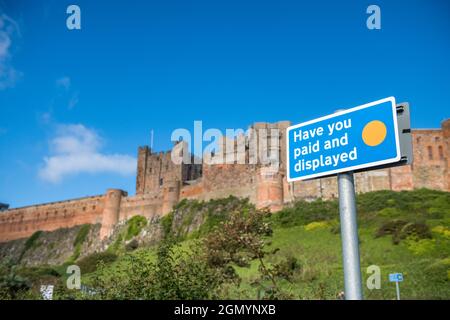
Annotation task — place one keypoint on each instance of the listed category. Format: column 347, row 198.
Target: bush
column 89, row 263
column 81, row 235
column 79, row 240
column 166, row 223
column 30, row 243
column 302, row 213
column 422, row 246
column 32, row 240
column 135, row 225
column 415, row 230
column 400, row 230
column 132, row 245
column 443, row 231
column 317, row 225
column 391, row 227
column 287, row 268
column 176, row 274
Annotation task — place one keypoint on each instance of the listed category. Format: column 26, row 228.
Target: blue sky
column 141, row 65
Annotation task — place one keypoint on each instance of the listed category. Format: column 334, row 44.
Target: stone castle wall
column 23, row 222
column 161, row 183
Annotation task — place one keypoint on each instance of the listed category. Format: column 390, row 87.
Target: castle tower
column 143, row 153
column 111, row 211
column 269, row 190
column 171, row 195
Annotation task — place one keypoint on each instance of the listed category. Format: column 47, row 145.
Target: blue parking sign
column 395, row 277
column 361, row 137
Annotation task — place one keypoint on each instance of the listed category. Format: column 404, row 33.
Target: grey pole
column 349, row 237
column 397, row 286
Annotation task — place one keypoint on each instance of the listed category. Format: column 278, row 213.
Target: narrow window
column 160, row 182
column 441, row 153
column 430, row 153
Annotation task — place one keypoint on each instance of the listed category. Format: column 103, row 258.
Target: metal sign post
column 396, row 277
column 349, row 236
column 397, row 286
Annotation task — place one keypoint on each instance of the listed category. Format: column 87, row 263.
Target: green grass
column 309, row 232
column 304, row 231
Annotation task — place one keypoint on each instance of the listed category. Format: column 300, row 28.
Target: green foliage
column 175, row 274
column 317, row 225
column 414, row 203
column 242, row 239
column 195, row 219
column 421, row 246
column 246, row 254
column 32, row 241
column 79, row 240
column 12, row 285
column 415, row 230
column 82, row 234
column 391, row 227
column 115, row 246
column 134, row 226
column 166, row 223
column 89, row 263
column 132, row 245
column 303, row 213
column 400, row 230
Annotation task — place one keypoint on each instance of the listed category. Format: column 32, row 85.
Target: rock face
column 51, row 248
column 68, row 245
column 161, row 182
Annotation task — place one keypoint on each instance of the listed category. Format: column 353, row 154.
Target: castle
column 161, row 183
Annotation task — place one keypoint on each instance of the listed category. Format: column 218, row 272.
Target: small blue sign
column 395, row 277
column 357, row 138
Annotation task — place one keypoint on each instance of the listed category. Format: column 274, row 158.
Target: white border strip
column 339, row 113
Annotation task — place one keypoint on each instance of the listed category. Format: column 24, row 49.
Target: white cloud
column 76, row 149
column 73, row 101
column 63, row 82
column 69, row 95
column 8, row 74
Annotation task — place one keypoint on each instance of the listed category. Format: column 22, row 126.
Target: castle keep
column 161, row 183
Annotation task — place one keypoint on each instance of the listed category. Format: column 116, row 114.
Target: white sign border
column 339, row 113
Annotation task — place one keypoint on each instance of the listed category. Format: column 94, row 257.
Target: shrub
column 166, row 223
column 317, row 225
column 132, row 245
column 81, row 235
column 32, row 240
column 30, row 243
column 415, row 230
column 390, row 212
column 445, row 232
column 176, row 274
column 287, row 268
column 79, row 240
column 89, row 263
column 422, row 246
column 302, row 213
column 135, row 225
column 391, row 227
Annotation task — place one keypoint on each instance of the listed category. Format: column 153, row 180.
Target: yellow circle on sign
column 374, row 133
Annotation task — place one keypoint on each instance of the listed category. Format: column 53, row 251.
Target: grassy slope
column 321, row 275
column 425, row 264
